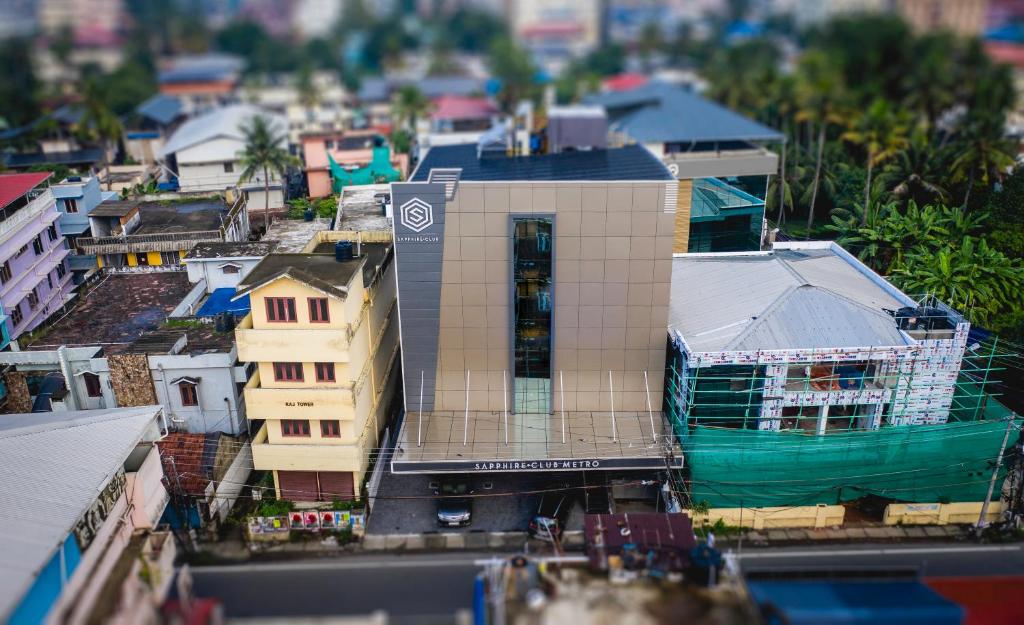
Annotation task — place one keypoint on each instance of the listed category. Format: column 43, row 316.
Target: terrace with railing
column 233, row 227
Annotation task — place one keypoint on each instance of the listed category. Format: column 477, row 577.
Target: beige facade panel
column 612, row 254
column 299, row 403
column 287, row 345
column 306, row 457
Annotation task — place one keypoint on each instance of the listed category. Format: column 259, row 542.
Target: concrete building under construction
column 819, row 374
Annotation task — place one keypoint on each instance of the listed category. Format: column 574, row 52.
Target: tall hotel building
column 533, row 302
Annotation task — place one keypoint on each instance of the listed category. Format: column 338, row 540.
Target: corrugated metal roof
column 632, row 162
column 13, row 186
column 202, row 68
column 52, row 468
column 224, row 122
column 810, row 317
column 161, row 108
column 789, row 299
column 659, row 112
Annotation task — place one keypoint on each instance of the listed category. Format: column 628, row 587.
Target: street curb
column 436, row 541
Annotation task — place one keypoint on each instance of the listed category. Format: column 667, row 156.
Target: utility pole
column 995, row 473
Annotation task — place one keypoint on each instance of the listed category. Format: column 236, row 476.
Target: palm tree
column 264, row 153
column 408, row 105
column 882, row 133
column 818, row 89
column 650, row 43
column 931, row 82
column 969, row 276
column 982, row 152
column 913, row 174
column 98, row 123
column 512, row 66
column 865, row 232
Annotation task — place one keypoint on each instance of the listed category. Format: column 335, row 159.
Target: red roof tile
column 13, row 186
column 459, row 107
column 1004, row 52
column 186, row 461
column 625, row 82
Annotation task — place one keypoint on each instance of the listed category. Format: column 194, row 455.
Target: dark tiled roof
column 632, row 162
column 118, row 310
column 660, row 112
column 186, row 217
column 231, row 249
column 201, row 339
column 116, row 208
column 319, row 270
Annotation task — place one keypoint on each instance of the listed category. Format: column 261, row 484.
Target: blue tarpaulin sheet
column 220, row 302
column 801, row 602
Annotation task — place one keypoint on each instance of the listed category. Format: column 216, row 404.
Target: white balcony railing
column 33, row 209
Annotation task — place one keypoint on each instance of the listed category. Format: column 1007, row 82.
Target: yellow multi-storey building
column 324, row 348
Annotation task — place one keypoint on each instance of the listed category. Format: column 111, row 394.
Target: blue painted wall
column 87, row 194
column 38, row 601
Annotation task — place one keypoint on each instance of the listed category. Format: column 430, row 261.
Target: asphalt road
column 429, row 589
column 927, row 560
column 413, row 589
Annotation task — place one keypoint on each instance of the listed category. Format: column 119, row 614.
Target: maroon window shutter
column 298, row 485
column 336, row 485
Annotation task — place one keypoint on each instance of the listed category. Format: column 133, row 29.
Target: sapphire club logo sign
column 416, row 215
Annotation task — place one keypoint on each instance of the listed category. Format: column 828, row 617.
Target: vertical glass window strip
column 532, row 290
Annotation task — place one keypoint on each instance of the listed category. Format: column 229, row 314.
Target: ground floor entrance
column 310, row 486
column 494, row 442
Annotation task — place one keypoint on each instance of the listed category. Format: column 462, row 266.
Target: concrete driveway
column 405, row 504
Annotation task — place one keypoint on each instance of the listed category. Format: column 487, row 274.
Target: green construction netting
column 730, row 468
column 379, row 170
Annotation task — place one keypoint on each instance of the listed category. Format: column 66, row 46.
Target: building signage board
column 530, row 466
column 419, row 244
column 89, row 524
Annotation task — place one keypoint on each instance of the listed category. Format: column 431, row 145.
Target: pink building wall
column 139, row 507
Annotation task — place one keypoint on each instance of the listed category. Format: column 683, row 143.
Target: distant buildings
column 204, row 154
column 323, row 107
column 349, row 150
column 150, row 126
column 202, row 81
column 92, row 22
column 35, row 280
column 968, row 18
column 454, row 120
column 84, row 546
column 556, row 31
column 963, row 17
